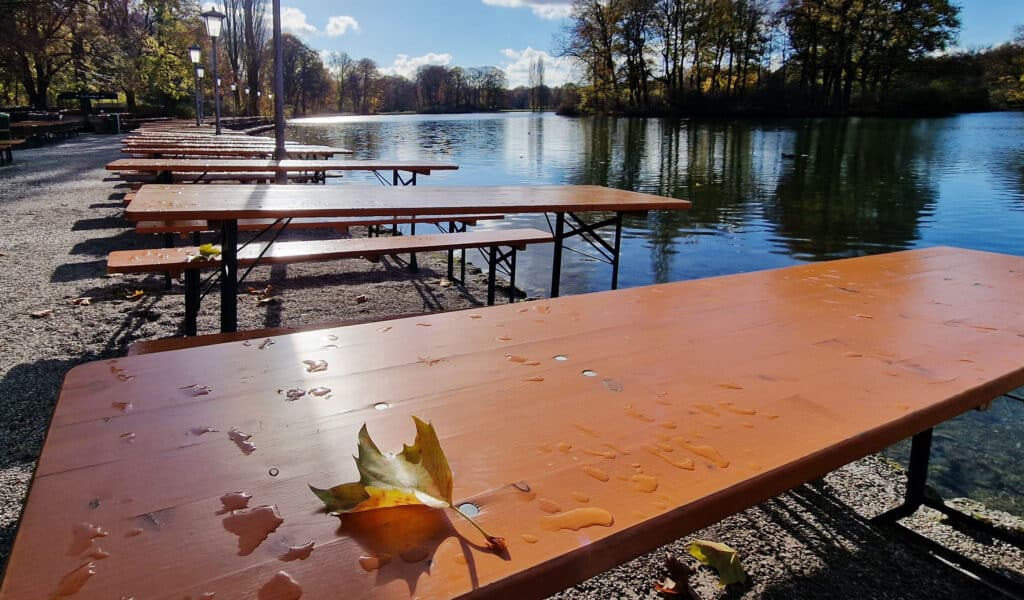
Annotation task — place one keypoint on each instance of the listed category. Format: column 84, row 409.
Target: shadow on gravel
column 111, row 222
column 126, row 240
column 851, row 552
column 30, row 392
column 69, row 272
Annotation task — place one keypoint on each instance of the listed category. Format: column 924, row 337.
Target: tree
column 340, row 67
column 38, row 39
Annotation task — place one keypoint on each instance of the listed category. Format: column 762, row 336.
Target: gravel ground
column 60, row 220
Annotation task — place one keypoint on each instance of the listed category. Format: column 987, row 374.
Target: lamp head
column 200, row 71
column 194, row 53
column 213, row 19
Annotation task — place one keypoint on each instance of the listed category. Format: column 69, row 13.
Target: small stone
column 361, row 298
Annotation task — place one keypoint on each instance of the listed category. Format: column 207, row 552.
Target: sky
column 402, row 35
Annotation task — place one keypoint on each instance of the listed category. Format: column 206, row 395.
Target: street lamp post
column 247, row 111
column 194, row 53
column 200, row 73
column 213, row 20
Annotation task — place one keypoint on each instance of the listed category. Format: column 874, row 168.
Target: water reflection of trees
column 853, row 187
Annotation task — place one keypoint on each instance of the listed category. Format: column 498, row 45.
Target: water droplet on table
column 644, row 483
column 372, row 563
column 382, row 406
column 320, row 391
column 578, row 518
column 315, row 366
column 588, row 373
column 241, row 439
column 73, row 581
column 596, row 473
column 704, row 451
column 294, row 394
column 548, row 506
column 529, row 539
column 564, row 446
column 298, row 552
column 580, row 497
column 280, row 587
column 252, row 527
column 235, row 500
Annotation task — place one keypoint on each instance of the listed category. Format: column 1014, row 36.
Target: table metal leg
column 917, row 496
column 192, row 298
column 229, row 278
column 556, row 259
column 615, row 253
column 492, row 265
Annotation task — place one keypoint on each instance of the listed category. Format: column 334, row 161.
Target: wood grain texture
column 155, row 260
column 786, row 374
column 163, row 202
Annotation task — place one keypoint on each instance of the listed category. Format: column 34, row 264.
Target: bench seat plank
column 762, row 381
column 177, row 259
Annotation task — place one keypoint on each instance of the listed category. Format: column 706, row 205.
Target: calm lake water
column 765, row 193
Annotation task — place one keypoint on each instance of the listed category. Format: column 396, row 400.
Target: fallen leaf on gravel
column 721, row 558
column 264, row 292
column 41, row 314
column 269, row 300
column 83, row 301
column 361, row 298
column 445, row 283
column 419, row 474
column 135, row 295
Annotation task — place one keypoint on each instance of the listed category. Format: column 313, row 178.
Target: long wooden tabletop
column 707, row 397
column 228, row 151
column 227, row 165
column 162, row 202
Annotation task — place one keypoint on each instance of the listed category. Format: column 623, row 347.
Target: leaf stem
column 495, row 543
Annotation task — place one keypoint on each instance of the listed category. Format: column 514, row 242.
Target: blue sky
column 401, row 35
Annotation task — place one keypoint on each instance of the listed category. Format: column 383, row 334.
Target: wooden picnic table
column 165, row 167
column 707, row 397
column 229, row 203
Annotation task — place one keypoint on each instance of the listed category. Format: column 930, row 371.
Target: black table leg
column 556, row 260
column 229, row 277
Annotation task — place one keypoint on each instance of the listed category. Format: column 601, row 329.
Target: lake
column 765, row 193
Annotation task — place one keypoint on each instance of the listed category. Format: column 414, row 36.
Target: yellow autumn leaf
column 208, row 250
column 721, row 558
column 419, row 474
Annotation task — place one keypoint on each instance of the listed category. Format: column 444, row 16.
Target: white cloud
column 545, row 9
column 294, row 21
column 557, row 70
column 406, row 66
column 338, row 25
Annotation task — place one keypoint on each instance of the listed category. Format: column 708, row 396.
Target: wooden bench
column 177, row 260
column 6, row 150
column 196, row 341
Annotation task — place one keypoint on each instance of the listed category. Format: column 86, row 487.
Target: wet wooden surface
column 227, row 165
column 164, row 202
column 708, row 396
column 158, row 259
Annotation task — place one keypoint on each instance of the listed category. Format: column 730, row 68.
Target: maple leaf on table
column 418, row 475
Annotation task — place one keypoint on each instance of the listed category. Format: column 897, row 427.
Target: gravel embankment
column 60, row 220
